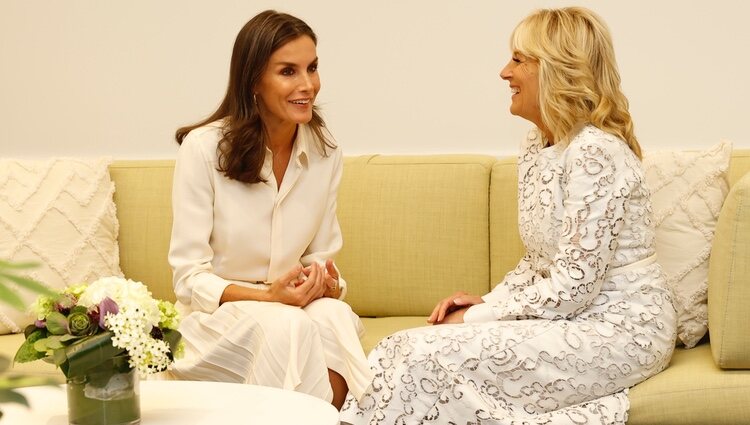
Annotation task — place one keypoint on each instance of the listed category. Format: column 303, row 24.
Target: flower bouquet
column 103, row 336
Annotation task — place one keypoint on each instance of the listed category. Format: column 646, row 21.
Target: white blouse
column 228, row 232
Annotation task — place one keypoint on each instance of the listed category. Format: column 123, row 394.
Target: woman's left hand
column 331, row 278
column 333, row 290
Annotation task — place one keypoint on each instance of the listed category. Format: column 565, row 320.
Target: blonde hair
column 578, row 77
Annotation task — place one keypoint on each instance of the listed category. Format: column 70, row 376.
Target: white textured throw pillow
column 60, row 214
column 688, row 190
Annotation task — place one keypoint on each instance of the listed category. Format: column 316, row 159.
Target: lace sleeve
column 593, row 210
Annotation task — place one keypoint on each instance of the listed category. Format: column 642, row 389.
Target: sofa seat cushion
column 377, row 328
column 692, row 390
column 9, row 345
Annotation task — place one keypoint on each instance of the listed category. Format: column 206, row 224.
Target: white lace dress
column 585, row 314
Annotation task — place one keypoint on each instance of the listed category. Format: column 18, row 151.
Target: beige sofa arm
column 729, row 281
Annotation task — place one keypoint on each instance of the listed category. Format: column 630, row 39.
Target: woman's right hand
column 288, row 289
column 443, row 307
column 452, row 303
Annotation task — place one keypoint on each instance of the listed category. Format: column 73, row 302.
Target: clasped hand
column 302, row 285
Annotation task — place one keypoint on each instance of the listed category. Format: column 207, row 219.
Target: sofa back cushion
column 729, row 280
column 739, row 165
column 506, row 247
column 415, row 228
column 143, row 194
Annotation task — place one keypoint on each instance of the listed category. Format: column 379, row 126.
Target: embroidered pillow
column 688, row 190
column 58, row 213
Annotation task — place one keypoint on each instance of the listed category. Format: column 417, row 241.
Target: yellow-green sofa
column 417, row 228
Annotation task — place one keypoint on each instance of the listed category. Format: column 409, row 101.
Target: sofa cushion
column 688, row 189
column 60, row 214
column 506, row 247
column 377, row 328
column 415, row 230
column 692, row 391
column 9, row 345
column 144, row 211
column 729, row 277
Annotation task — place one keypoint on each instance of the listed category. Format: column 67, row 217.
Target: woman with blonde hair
column 586, row 314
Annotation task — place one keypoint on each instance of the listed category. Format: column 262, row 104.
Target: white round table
column 187, row 402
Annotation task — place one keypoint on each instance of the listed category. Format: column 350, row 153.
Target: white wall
column 91, row 77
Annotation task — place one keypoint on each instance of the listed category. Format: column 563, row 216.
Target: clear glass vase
column 107, row 394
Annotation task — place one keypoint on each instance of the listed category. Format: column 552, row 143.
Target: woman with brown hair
column 587, row 312
column 255, row 228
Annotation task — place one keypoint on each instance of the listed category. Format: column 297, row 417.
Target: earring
column 255, row 100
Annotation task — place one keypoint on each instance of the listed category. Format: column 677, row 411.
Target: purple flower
column 94, row 315
column 40, row 324
column 65, row 303
column 156, row 333
column 107, row 306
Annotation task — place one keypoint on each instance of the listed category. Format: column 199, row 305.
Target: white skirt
column 276, row 345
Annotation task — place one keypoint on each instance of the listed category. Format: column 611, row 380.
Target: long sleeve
column 230, row 232
column 190, row 253
column 516, row 279
column 328, row 241
column 593, row 201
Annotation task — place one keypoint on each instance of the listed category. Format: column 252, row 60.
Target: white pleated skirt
column 276, row 345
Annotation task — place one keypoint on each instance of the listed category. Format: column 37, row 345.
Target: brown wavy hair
column 578, row 77
column 241, row 151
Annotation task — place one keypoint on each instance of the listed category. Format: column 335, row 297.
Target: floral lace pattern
column 584, row 315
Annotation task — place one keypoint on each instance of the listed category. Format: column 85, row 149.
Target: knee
column 296, row 319
column 331, row 307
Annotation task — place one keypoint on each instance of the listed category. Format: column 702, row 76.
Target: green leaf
column 79, row 309
column 69, row 337
column 8, row 265
column 27, row 352
column 10, row 396
column 9, row 383
column 89, row 352
column 59, row 359
column 54, row 343
column 11, row 298
column 17, row 381
column 4, row 364
column 57, row 323
column 7, row 293
column 41, row 345
column 31, row 329
column 51, row 343
column 172, row 336
column 27, row 283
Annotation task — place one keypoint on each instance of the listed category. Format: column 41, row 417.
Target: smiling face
column 522, row 73
column 287, row 89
